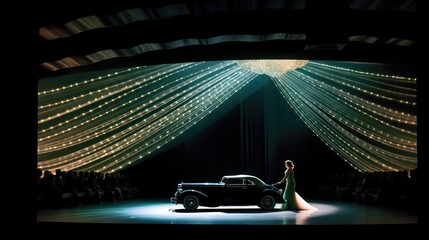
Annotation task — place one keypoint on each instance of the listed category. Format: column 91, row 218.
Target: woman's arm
column 280, row 182
column 284, row 178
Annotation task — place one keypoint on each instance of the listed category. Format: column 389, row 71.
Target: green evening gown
column 293, row 201
column 289, row 192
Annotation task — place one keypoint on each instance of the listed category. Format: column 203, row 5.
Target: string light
column 164, row 114
column 113, row 121
column 272, row 68
column 367, row 134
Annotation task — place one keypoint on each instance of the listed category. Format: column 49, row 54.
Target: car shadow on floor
column 226, row 210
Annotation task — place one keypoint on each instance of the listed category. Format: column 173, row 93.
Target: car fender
column 277, row 196
column 189, row 192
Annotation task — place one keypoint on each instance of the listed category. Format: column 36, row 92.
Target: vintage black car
column 231, row 190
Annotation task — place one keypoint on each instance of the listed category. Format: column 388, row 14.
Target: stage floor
column 161, row 211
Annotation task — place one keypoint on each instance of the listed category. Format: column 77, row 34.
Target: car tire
column 267, row 202
column 191, row 202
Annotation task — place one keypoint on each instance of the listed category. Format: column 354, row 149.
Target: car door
column 236, row 192
column 253, row 192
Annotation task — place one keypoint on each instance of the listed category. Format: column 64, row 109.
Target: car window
column 254, row 181
column 257, row 181
column 235, row 181
column 248, row 182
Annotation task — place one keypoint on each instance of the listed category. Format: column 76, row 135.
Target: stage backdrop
column 253, row 133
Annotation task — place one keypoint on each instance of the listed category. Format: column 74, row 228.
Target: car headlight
column 179, row 187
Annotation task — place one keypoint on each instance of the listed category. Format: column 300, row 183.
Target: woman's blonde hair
column 289, row 163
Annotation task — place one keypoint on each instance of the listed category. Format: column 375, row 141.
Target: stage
column 161, row 211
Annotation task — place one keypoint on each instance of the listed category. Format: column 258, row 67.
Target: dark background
column 254, row 132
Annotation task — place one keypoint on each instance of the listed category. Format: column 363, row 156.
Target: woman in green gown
column 293, row 201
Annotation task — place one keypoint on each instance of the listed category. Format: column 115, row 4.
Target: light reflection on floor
column 163, row 212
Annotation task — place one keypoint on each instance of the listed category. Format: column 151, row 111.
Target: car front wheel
column 267, row 202
column 191, row 202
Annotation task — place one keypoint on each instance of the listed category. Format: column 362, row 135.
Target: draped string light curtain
column 110, row 122
column 367, row 118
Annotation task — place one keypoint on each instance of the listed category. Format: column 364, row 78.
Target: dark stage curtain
column 254, row 132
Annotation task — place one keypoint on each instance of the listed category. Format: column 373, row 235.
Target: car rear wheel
column 267, row 202
column 191, row 202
